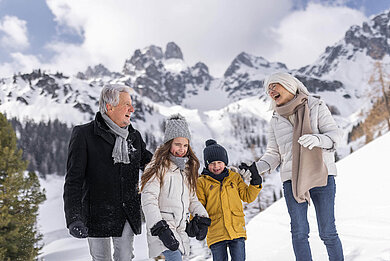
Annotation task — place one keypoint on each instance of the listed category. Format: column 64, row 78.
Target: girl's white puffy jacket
column 172, row 202
column 280, row 135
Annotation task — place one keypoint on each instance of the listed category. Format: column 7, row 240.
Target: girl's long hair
column 161, row 162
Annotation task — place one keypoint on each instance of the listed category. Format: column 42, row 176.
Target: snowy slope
column 362, row 213
column 362, row 216
column 59, row 245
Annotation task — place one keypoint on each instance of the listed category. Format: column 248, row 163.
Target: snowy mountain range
column 232, row 109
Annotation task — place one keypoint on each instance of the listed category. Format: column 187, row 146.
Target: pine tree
column 20, row 196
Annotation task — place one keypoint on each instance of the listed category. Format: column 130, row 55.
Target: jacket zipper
column 182, row 203
column 170, row 185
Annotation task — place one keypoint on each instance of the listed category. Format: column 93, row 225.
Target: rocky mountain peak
column 173, row 51
column 371, row 39
column 142, row 59
column 155, row 52
column 136, row 62
column 203, row 69
column 245, row 75
column 242, row 58
column 250, row 61
column 158, row 76
column 97, row 71
column 371, row 36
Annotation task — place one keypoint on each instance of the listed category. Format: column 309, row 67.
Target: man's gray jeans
column 100, row 247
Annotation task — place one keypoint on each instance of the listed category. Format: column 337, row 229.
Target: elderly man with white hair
column 101, row 197
column 302, row 138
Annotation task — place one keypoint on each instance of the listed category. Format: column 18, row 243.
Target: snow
column 59, row 245
column 175, row 65
column 44, row 106
column 213, row 99
column 362, row 217
column 362, row 213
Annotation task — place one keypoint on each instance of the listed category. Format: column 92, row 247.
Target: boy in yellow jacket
column 221, row 190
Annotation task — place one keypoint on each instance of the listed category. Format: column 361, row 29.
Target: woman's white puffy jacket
column 280, row 135
column 172, row 202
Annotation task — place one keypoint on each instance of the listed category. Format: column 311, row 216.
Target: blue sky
column 368, row 7
column 41, row 25
column 69, row 35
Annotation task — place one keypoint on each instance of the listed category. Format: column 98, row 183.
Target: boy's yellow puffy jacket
column 224, row 206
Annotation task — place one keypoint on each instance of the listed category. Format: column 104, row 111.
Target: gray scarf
column 120, row 153
column 308, row 167
column 179, row 161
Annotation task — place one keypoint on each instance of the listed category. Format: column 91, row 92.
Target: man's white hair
column 110, row 95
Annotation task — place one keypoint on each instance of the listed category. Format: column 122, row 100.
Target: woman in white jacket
column 168, row 194
column 302, row 137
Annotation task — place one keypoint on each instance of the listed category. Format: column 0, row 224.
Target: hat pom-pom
column 177, row 116
column 210, row 142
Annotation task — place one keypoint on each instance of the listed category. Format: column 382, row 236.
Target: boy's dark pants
column 236, row 249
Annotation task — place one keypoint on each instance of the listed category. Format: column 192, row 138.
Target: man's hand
column 78, row 229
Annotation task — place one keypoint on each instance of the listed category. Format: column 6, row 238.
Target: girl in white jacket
column 168, row 194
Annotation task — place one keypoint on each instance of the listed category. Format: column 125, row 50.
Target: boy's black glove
column 255, row 177
column 78, row 229
column 198, row 227
column 165, row 234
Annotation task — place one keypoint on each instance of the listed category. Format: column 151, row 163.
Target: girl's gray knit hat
column 176, row 126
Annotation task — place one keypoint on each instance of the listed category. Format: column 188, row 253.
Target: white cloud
column 303, row 35
column 68, row 59
column 210, row 31
column 6, row 70
column 214, row 32
column 13, row 32
column 20, row 63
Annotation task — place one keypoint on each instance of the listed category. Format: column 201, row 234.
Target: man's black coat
column 98, row 192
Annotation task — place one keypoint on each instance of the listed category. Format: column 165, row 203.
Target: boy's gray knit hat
column 176, row 126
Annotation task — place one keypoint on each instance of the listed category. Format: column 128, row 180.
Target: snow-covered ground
column 362, row 213
column 362, row 217
column 59, row 245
